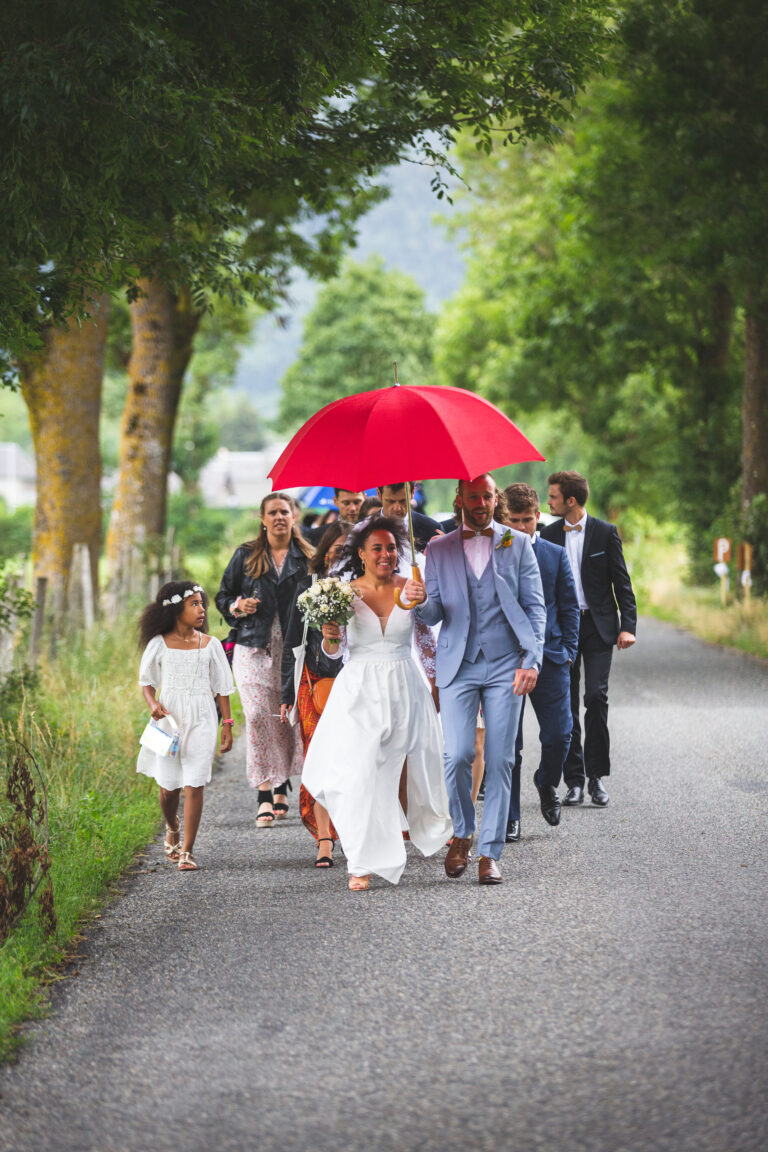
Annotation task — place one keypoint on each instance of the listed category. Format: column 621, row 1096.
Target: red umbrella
column 390, row 434
column 381, row 437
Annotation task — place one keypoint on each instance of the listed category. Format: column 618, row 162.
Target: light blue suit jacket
column 518, row 584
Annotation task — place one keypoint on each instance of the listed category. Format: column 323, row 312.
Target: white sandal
column 172, row 850
column 187, row 862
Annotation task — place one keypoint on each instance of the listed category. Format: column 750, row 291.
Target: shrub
column 15, row 531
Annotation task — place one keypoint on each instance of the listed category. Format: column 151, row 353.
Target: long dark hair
column 350, row 561
column 257, row 560
column 158, row 618
column 327, row 540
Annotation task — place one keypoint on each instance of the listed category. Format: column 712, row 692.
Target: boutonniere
column 506, row 540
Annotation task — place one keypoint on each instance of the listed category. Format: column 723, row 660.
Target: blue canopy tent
column 322, row 498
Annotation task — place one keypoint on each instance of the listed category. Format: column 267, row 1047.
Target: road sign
column 744, row 557
column 722, row 550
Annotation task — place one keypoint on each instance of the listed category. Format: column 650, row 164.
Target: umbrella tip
column 394, row 369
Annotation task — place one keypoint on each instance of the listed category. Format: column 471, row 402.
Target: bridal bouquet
column 328, row 601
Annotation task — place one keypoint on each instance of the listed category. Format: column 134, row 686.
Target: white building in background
column 18, row 477
column 229, row 480
column 238, row 479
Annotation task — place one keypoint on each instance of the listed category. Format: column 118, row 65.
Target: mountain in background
column 403, row 231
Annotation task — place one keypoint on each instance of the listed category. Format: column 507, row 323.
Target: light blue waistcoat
column 494, row 637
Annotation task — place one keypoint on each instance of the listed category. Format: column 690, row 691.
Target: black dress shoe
column 574, row 795
column 513, row 832
column 597, row 792
column 550, row 802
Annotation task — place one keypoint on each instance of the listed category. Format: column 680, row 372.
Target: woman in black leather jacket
column 255, row 597
column 317, row 665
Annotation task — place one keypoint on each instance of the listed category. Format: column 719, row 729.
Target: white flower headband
column 178, row 599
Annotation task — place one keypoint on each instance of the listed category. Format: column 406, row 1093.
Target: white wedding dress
column 378, row 713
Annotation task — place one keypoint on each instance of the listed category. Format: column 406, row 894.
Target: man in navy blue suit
column 551, row 698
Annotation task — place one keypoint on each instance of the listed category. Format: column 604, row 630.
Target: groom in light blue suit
column 484, row 587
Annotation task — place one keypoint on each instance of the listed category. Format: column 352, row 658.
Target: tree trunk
column 62, row 390
column 754, row 411
column 707, row 428
column 163, row 327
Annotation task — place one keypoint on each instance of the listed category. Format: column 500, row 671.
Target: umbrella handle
column 407, row 607
column 414, row 565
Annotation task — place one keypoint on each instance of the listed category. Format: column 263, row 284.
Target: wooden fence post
column 86, row 584
column 7, row 634
column 36, row 631
column 168, row 575
column 57, row 617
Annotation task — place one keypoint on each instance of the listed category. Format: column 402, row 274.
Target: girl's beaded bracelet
column 227, row 721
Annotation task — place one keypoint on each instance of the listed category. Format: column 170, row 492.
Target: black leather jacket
column 275, row 594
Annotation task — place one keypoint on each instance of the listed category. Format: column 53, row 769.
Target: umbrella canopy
column 320, row 497
column 401, row 433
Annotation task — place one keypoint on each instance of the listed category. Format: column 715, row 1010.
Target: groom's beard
column 477, row 519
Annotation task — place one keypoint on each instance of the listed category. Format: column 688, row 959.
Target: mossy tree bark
column 163, row 327
column 62, row 389
column 754, row 412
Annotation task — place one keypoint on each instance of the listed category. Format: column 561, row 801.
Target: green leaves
column 362, row 321
column 144, row 134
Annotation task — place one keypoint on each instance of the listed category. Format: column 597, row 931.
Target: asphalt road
column 609, row 997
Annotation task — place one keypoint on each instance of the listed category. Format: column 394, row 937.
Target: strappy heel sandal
column 359, row 883
column 187, row 862
column 280, row 808
column 267, row 818
column 172, row 849
column 324, row 861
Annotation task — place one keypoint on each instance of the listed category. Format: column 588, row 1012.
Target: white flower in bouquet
column 327, row 601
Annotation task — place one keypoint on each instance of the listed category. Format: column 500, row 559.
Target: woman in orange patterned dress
column 317, row 665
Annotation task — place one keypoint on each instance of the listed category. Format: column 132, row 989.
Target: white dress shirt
column 574, row 550
column 477, row 550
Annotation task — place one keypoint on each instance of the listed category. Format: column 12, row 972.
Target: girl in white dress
column 193, row 671
column 379, row 714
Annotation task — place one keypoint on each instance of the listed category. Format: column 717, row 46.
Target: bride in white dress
column 379, row 714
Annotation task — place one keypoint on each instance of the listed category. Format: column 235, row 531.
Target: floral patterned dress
column 273, row 749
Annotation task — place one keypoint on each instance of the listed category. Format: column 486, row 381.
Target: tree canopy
column 185, row 132
column 363, row 320
column 611, row 276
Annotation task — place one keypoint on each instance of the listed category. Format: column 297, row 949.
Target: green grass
column 740, row 626
column 658, row 573
column 81, row 721
column 81, row 716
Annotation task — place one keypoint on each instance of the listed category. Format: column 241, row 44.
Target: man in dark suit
column 608, row 617
column 348, row 503
column 394, row 503
column 551, row 698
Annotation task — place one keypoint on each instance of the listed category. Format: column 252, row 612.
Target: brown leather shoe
column 457, row 857
column 488, row 871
